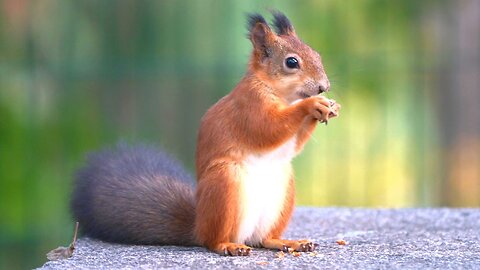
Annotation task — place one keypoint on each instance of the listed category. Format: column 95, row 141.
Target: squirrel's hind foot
column 290, row 245
column 232, row 249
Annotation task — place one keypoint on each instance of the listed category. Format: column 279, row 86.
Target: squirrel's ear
column 282, row 24
column 260, row 34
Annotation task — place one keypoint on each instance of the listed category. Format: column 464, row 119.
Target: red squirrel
column 245, row 190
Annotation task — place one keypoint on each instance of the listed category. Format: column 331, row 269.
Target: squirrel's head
column 292, row 68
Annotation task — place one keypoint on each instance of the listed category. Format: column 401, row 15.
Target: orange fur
column 216, row 222
column 256, row 118
column 305, row 132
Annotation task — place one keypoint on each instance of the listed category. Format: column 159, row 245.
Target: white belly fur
column 264, row 182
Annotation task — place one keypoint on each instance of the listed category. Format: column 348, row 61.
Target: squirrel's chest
column 263, row 189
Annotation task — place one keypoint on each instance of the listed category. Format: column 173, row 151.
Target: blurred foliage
column 79, row 75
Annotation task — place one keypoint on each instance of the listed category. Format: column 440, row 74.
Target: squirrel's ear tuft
column 253, row 19
column 260, row 34
column 282, row 24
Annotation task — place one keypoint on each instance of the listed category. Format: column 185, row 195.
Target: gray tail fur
column 135, row 194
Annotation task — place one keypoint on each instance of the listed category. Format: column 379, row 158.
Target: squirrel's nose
column 324, row 87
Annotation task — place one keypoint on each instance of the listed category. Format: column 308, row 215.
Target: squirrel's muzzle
column 324, row 86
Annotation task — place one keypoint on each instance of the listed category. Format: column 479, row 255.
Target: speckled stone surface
column 376, row 239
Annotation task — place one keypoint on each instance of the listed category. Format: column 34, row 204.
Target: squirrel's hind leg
column 273, row 241
column 217, row 211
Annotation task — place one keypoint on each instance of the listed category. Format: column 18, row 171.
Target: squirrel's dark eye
column 291, row 62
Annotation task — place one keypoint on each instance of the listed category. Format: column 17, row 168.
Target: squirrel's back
column 135, row 194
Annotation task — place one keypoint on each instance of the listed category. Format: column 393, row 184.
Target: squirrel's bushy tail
column 135, row 194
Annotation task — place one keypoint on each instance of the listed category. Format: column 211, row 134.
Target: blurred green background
column 79, row 75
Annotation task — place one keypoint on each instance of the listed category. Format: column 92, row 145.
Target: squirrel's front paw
column 335, row 108
column 323, row 108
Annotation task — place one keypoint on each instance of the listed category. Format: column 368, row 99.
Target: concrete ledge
column 377, row 239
